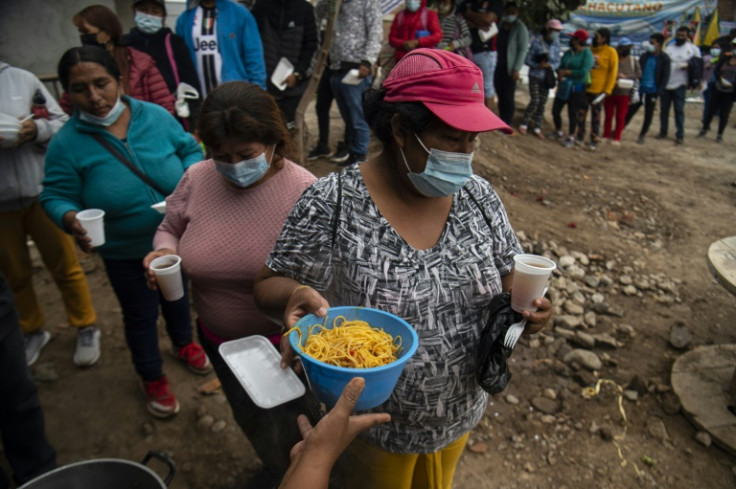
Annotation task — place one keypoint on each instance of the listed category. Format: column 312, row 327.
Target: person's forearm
column 271, row 294
column 305, row 473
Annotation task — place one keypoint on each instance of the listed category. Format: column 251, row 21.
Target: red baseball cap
column 581, row 35
column 448, row 85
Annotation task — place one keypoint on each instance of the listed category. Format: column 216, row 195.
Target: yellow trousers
column 370, row 467
column 58, row 253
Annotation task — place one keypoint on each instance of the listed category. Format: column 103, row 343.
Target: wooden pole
column 300, row 135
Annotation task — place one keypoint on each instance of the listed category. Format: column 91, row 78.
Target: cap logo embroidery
column 475, row 89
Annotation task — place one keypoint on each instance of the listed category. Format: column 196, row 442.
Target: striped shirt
column 443, row 292
column 209, row 60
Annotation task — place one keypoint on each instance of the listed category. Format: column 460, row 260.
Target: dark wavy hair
column 106, row 20
column 414, row 116
column 85, row 54
column 244, row 111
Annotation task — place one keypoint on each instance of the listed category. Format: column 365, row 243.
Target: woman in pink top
column 223, row 220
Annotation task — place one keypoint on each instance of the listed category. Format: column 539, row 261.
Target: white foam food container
column 256, row 364
column 160, row 207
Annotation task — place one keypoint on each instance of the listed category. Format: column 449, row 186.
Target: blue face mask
column 444, row 174
column 247, row 172
column 148, row 24
column 109, row 119
column 413, row 5
column 715, row 52
column 554, row 35
column 510, row 18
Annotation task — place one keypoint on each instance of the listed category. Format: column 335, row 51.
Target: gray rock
column 670, row 403
column 201, row 410
column 566, row 261
column 584, row 358
column 597, row 298
column 703, row 438
column 629, row 290
column 606, row 281
column 656, row 429
column 642, row 283
column 575, row 271
column 546, row 405
column 574, row 309
column 534, row 343
column 625, row 280
column 625, row 330
column 564, row 333
column 219, row 426
column 592, row 281
column 205, row 421
column 589, row 318
column 584, row 378
column 680, row 337
column 549, row 393
column 631, row 395
column 45, row 372
column 584, row 339
column 548, row 419
column 582, row 258
column 610, row 264
column 578, row 298
column 568, row 321
column 220, row 398
column 512, row 399
column 604, row 340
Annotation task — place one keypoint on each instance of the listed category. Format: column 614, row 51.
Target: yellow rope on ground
column 590, row 392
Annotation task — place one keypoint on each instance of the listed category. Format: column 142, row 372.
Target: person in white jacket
column 21, row 215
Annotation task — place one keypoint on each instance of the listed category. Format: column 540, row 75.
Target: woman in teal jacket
column 573, row 76
column 82, row 172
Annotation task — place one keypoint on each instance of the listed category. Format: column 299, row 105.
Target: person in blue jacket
column 223, row 39
column 122, row 155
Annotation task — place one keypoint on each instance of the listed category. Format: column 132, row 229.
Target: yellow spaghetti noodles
column 350, row 343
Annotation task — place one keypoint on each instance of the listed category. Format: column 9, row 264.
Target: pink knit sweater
column 224, row 236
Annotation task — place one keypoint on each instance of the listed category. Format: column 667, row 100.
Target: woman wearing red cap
column 414, row 27
column 413, row 232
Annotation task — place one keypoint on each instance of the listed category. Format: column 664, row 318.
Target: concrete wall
column 35, row 33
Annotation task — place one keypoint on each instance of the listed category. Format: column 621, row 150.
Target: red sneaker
column 195, row 358
column 159, row 399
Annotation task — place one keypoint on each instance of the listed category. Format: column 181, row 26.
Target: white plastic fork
column 515, row 330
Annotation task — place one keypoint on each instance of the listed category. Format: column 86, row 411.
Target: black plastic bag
column 493, row 372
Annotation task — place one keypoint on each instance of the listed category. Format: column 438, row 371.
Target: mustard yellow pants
column 60, row 257
column 370, row 467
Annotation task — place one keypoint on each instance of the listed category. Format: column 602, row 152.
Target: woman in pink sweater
column 223, row 219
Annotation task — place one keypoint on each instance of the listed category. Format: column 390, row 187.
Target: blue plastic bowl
column 327, row 381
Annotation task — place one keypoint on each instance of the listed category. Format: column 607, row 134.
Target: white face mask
column 148, row 24
column 109, row 119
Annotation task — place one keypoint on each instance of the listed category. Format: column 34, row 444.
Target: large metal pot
column 107, row 473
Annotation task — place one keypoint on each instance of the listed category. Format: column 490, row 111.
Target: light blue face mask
column 715, row 52
column 554, row 35
column 247, row 172
column 444, row 174
column 413, row 5
column 510, row 18
column 109, row 119
column 148, row 24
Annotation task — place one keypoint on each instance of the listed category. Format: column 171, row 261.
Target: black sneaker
column 660, row 136
column 640, row 140
column 702, row 133
column 319, row 151
column 679, row 141
column 719, row 138
column 341, row 155
column 354, row 159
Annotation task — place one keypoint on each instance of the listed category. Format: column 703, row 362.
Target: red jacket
column 405, row 27
column 146, row 83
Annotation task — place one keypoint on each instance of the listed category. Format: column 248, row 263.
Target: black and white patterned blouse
column 443, row 292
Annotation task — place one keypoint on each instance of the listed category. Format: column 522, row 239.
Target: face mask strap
column 420, row 142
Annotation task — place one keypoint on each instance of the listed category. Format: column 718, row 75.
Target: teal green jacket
column 580, row 63
column 82, row 174
column 518, row 46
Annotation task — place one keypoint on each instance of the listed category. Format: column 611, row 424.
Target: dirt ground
column 678, row 199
